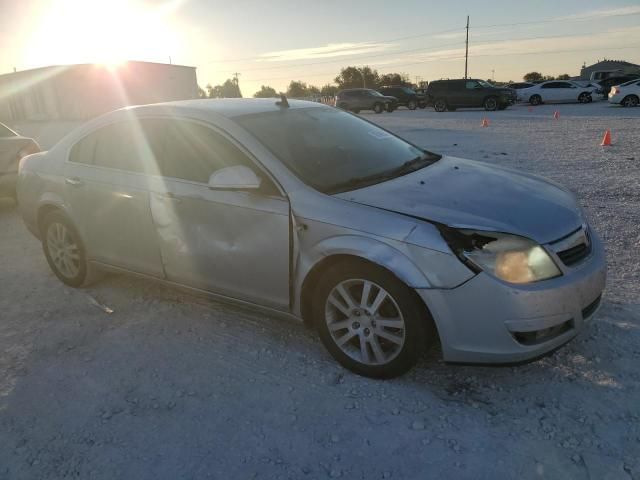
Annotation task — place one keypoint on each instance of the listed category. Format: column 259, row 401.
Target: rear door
column 231, row 242
column 107, row 187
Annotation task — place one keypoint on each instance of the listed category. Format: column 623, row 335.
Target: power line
column 420, row 49
column 461, row 30
column 456, row 58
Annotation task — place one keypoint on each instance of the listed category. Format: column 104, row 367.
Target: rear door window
column 6, row 132
column 82, row 151
column 132, row 146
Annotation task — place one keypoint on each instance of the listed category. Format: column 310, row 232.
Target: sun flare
column 109, row 33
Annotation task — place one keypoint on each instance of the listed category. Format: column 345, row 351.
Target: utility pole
column 466, row 53
column 235, row 77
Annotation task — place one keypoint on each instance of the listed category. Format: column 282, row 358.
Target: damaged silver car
column 310, row 211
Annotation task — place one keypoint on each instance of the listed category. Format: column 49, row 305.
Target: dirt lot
column 174, row 386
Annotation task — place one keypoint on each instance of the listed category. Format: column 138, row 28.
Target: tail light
column 615, row 90
column 28, row 149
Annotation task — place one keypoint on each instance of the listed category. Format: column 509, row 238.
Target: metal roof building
column 78, row 92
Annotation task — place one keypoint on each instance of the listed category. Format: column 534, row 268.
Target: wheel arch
column 354, row 248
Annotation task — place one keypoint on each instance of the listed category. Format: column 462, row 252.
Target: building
column 79, row 92
column 609, row 65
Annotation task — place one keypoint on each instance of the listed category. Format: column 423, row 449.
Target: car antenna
column 283, row 102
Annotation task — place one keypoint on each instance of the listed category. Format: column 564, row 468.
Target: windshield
column 334, row 151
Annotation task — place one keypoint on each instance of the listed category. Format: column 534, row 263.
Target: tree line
column 349, row 77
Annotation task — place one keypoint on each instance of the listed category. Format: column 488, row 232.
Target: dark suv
column 406, row 96
column 469, row 93
column 356, row 99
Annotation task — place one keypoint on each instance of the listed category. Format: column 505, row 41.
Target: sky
column 276, row 41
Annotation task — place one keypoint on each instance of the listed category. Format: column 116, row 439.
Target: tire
column 535, row 100
column 64, row 250
column 584, row 98
column 378, row 108
column 412, row 105
column 490, row 104
column 630, row 101
column 354, row 336
column 440, row 105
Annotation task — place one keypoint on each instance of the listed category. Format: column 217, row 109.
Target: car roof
column 226, row 107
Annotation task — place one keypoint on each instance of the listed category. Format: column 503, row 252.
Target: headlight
column 511, row 258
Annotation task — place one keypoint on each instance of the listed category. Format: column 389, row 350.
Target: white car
column 556, row 91
column 627, row 94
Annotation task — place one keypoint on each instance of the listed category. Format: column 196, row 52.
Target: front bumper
column 486, row 320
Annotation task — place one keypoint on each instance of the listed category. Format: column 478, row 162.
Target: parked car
column 520, row 85
column 357, row 99
column 452, row 94
column 627, row 94
column 13, row 147
column 606, row 84
column 406, row 96
column 311, row 212
column 557, row 91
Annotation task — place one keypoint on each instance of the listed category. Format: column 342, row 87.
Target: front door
column 226, row 241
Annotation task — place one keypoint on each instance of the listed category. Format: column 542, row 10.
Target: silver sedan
column 308, row 211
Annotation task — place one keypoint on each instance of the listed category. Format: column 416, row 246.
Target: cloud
column 608, row 12
column 327, row 51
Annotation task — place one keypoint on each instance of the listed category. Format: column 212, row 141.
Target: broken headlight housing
column 511, row 258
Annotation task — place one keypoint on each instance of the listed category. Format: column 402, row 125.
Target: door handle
column 172, row 197
column 73, row 181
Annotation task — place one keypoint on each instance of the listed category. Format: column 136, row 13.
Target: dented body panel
column 260, row 248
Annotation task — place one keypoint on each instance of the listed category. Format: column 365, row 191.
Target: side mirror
column 237, row 177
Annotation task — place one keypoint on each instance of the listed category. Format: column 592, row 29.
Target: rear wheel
column 490, row 104
column 440, row 105
column 370, row 321
column 64, row 250
column 584, row 97
column 378, row 108
column 630, row 101
column 535, row 100
column 412, row 105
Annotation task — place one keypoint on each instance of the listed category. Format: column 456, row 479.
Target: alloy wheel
column 63, row 250
column 630, row 101
column 365, row 322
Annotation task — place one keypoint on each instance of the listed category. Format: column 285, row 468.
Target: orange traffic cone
column 556, row 115
column 606, row 140
column 485, row 123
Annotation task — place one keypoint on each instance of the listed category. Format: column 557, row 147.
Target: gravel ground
column 173, row 386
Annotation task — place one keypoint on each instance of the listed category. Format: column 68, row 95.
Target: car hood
column 467, row 194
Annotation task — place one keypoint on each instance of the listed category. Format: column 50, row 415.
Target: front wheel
column 369, row 321
column 378, row 108
column 630, row 101
column 491, row 104
column 584, row 98
column 535, row 100
column 440, row 105
column 64, row 250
